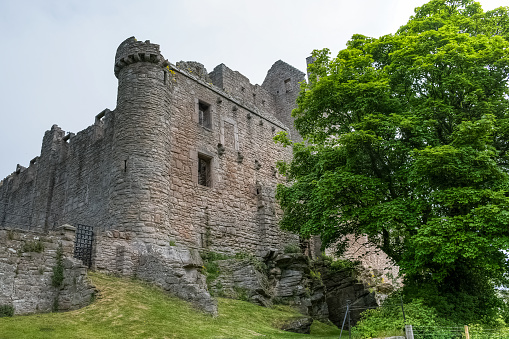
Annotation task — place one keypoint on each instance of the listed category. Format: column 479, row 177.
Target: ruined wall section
column 82, row 176
column 17, row 198
column 25, row 195
column 65, row 184
column 236, row 85
column 282, row 81
column 237, row 211
column 27, row 260
column 376, row 268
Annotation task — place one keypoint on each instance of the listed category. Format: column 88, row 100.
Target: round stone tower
column 141, row 143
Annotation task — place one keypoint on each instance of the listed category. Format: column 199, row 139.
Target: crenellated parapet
column 132, row 51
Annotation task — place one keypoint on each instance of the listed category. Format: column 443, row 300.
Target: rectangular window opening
column 288, row 85
column 204, row 118
column 204, row 171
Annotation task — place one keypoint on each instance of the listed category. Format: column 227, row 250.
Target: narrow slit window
column 204, row 171
column 204, row 118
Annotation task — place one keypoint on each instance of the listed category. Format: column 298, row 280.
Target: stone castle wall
column 136, row 174
column 27, row 260
column 239, row 204
column 135, row 169
column 283, row 82
column 69, row 182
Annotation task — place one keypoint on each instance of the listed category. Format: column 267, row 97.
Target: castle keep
column 185, row 163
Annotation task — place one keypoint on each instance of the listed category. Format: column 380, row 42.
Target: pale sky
column 57, row 61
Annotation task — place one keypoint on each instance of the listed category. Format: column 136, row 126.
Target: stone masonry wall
column 135, row 169
column 27, row 260
column 282, row 81
column 238, row 211
column 68, row 183
column 377, row 270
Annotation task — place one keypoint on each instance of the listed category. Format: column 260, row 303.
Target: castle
column 184, row 163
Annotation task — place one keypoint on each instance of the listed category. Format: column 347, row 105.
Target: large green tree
column 407, row 142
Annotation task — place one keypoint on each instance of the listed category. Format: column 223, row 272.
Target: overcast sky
column 57, row 61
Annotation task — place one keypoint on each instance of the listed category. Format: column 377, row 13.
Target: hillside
column 133, row 309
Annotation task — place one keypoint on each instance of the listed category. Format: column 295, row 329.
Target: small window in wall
column 204, row 118
column 288, row 85
column 204, row 171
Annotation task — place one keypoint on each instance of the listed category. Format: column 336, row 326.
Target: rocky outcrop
column 342, row 286
column 297, row 325
column 175, row 268
column 314, row 288
column 242, row 279
column 295, row 283
column 280, row 279
column 177, row 272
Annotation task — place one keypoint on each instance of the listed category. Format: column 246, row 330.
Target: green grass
column 133, row 309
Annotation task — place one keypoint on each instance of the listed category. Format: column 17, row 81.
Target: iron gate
column 83, row 244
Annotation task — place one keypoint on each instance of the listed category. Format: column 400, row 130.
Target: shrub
column 33, row 246
column 211, row 268
column 387, row 320
column 315, row 275
column 58, row 270
column 211, row 271
column 292, row 248
column 241, row 293
column 259, row 265
column 6, row 311
column 341, row 264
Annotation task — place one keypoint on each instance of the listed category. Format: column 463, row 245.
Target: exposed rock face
column 342, row 286
column 292, row 279
column 297, row 285
column 242, row 279
column 176, row 269
column 298, row 325
column 177, row 273
column 282, row 278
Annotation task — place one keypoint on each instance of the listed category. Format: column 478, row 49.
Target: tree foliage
column 407, row 142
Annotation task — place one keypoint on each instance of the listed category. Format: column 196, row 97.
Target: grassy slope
column 132, row 309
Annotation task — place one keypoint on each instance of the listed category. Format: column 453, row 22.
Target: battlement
column 131, row 51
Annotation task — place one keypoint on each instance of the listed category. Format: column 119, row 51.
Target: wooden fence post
column 467, row 335
column 409, row 332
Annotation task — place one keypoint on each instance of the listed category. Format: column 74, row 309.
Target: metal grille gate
column 83, row 244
